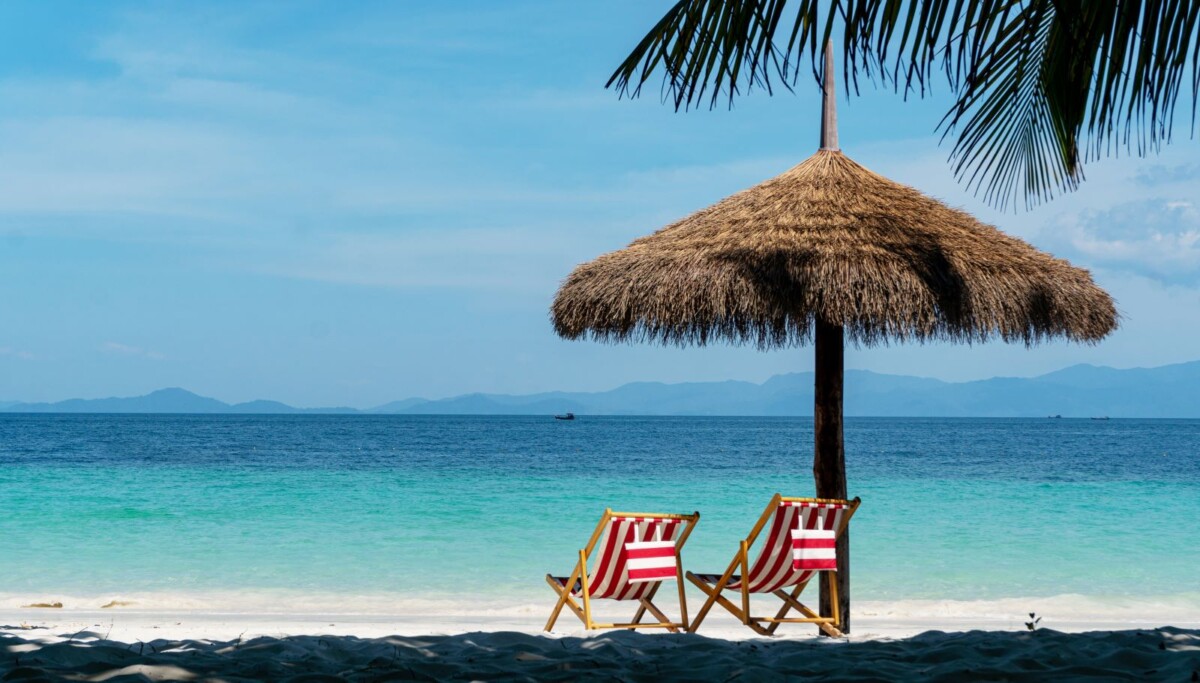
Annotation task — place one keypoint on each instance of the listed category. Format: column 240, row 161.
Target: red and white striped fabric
column 775, row 568
column 615, row 574
column 814, row 549
column 650, row 561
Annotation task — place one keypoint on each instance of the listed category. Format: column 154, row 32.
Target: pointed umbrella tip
column 829, row 135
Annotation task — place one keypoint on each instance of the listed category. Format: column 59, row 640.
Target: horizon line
column 9, row 405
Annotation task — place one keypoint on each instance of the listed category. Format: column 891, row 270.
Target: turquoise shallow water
column 427, row 506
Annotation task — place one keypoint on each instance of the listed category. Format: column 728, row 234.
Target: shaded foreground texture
column 1167, row 654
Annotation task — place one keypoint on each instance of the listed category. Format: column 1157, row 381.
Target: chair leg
column 564, row 598
column 715, row 597
column 587, row 598
column 832, row 578
column 712, row 593
column 662, row 618
column 745, row 552
column 637, row 617
column 708, row 603
column 787, row 607
column 683, row 615
column 564, row 593
column 829, row 629
column 647, row 604
column 641, row 612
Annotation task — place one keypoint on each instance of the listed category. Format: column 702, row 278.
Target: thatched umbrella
column 824, row 251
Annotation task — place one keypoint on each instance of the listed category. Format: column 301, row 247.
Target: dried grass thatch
column 830, row 240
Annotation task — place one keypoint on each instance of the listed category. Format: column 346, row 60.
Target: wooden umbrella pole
column 829, row 461
column 829, row 135
column 829, row 456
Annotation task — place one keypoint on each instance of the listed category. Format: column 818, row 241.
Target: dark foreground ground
column 1166, row 654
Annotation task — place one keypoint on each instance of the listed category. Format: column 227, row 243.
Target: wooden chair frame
column 646, row 604
column 831, row 625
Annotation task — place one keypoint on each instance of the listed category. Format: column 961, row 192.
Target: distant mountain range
column 1077, row 391
column 173, row 400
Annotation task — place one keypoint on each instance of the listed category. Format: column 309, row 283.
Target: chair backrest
column 778, row 565
column 635, row 553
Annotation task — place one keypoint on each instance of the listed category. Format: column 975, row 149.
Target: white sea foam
column 275, row 601
column 1180, row 609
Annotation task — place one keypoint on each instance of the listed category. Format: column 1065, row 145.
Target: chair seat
column 562, row 581
column 735, row 581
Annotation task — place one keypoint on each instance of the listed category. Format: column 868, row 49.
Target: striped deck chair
column 637, row 554
column 799, row 543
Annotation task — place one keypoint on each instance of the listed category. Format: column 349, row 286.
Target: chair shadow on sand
column 1160, row 654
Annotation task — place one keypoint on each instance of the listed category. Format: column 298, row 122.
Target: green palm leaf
column 1041, row 85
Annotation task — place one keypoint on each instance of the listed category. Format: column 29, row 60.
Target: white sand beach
column 123, row 643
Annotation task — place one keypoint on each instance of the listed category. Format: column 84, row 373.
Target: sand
column 131, row 645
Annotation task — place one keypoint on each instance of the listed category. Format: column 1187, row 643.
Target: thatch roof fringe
column 830, row 240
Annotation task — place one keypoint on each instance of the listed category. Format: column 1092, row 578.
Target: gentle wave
column 278, row 601
column 1179, row 609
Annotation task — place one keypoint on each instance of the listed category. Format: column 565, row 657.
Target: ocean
column 376, row 513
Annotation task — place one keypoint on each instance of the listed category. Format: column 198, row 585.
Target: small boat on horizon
column 568, row 416
column 1101, row 418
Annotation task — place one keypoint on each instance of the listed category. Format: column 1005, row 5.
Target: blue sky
column 350, row 203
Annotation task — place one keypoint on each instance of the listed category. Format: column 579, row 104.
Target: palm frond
column 1015, row 136
column 1041, row 85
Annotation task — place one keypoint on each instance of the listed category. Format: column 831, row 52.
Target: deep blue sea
column 196, row 510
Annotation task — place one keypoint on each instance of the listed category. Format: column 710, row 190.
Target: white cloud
column 473, row 259
column 1132, row 216
column 1158, row 238
column 1159, row 175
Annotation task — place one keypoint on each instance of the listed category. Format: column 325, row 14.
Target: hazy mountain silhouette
column 398, row 406
column 172, row 400
column 1076, row 391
